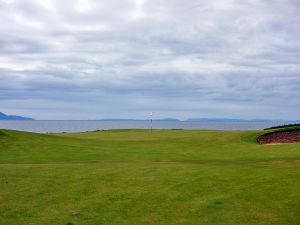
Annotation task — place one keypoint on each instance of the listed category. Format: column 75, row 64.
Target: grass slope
column 138, row 177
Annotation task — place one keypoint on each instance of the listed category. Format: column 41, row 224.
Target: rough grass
column 284, row 126
column 138, row 177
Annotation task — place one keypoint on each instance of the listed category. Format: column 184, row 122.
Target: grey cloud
column 124, row 58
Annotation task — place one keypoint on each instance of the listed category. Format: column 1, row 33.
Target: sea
column 59, row 126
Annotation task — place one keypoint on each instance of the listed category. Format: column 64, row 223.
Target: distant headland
column 13, row 117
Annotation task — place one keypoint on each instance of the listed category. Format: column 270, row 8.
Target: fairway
column 134, row 177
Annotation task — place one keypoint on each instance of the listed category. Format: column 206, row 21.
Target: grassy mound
column 284, row 126
column 138, row 177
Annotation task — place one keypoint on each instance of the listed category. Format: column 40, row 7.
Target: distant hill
column 202, row 120
column 121, row 120
column 214, row 120
column 13, row 117
column 167, row 119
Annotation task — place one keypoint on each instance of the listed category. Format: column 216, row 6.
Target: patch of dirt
column 283, row 137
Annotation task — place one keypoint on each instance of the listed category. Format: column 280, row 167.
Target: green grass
column 281, row 129
column 137, row 177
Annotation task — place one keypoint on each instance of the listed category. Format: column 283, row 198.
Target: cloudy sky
column 93, row 59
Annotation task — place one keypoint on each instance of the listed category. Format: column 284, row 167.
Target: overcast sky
column 88, row 59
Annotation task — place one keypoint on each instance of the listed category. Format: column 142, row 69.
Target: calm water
column 43, row 126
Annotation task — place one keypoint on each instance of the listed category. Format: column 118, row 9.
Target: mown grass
column 139, row 177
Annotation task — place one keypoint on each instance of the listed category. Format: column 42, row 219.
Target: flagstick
column 151, row 121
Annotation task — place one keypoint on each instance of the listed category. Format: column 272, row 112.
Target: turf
column 138, row 177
